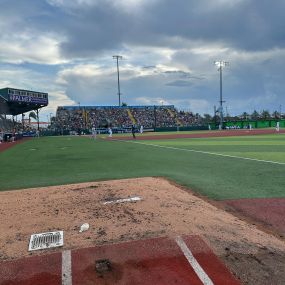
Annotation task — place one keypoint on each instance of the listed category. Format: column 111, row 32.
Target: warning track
column 207, row 134
column 6, row 145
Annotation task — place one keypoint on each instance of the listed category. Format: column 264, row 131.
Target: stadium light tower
column 117, row 57
column 220, row 64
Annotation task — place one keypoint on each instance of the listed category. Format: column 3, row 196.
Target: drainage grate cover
column 46, row 240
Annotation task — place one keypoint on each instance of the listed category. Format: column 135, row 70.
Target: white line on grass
column 205, row 279
column 204, row 152
column 66, row 275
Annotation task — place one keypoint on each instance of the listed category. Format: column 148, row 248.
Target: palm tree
column 207, row 118
column 255, row 115
column 265, row 114
column 276, row 115
column 32, row 115
column 245, row 115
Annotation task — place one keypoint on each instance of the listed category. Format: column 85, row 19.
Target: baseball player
column 94, row 133
column 110, row 132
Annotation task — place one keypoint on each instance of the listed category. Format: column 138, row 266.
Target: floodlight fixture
column 221, row 64
column 117, row 57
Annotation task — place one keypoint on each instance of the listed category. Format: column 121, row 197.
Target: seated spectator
column 82, row 118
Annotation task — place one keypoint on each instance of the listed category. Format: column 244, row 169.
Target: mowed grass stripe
column 206, row 152
column 64, row 160
column 266, row 148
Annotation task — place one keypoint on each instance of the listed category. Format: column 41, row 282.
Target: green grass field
column 190, row 162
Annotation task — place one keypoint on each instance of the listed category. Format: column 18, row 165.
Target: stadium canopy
column 17, row 101
column 73, row 108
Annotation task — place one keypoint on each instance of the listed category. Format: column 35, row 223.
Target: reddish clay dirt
column 156, row 261
column 223, row 133
column 254, row 256
column 6, row 145
column 267, row 212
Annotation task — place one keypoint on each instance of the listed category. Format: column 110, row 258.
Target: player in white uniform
column 277, row 126
column 94, row 133
column 110, row 132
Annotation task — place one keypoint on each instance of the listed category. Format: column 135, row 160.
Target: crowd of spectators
column 144, row 116
column 80, row 117
column 9, row 130
column 188, row 118
column 69, row 119
column 5, row 124
column 118, row 117
column 166, row 117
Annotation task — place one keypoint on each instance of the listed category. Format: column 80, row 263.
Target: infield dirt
column 254, row 256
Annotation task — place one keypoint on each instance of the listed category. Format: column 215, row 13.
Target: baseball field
column 233, row 167
column 237, row 174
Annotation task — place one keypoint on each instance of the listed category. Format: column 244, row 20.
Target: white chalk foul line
column 205, row 152
column 66, row 274
column 205, row 279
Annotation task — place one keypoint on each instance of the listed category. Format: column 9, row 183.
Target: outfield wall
column 238, row 124
column 175, row 129
column 255, row 124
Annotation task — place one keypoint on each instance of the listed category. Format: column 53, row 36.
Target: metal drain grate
column 46, row 240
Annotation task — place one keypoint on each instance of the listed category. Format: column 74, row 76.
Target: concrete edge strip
column 205, row 152
column 205, row 279
column 66, row 274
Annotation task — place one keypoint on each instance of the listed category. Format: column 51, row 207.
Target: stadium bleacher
column 76, row 118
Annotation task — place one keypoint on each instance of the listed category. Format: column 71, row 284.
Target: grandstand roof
column 113, row 107
column 17, row 101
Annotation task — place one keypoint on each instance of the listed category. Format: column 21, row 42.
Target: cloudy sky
column 65, row 48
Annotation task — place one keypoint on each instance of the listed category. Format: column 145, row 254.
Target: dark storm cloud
column 179, row 83
column 89, row 29
column 183, row 74
column 173, row 43
column 149, row 67
column 17, row 16
column 94, row 30
column 248, row 25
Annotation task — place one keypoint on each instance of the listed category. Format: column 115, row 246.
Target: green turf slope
column 62, row 160
column 266, row 147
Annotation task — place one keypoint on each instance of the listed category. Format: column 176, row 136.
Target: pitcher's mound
column 164, row 209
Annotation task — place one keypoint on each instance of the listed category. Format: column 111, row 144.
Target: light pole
column 220, row 64
column 117, row 57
